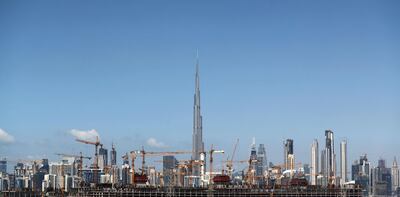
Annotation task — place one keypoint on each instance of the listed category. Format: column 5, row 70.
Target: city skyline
column 142, row 95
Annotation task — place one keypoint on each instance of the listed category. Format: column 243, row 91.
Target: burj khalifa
column 198, row 144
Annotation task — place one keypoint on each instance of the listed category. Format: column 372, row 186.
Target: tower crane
column 212, row 151
column 229, row 162
column 96, row 155
column 230, row 171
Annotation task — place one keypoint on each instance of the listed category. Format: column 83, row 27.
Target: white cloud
column 5, row 137
column 154, row 143
column 90, row 135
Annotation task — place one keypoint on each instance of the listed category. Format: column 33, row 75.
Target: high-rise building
column 360, row 173
column 343, row 161
column 330, row 157
column 113, row 155
column 395, row 175
column 307, row 172
column 3, row 166
column 336, row 181
column 198, row 144
column 261, row 163
column 314, row 162
column 153, row 178
column 291, row 162
column 125, row 173
column 103, row 157
column 262, row 160
column 253, row 155
column 288, row 153
column 169, row 164
column 45, row 166
column 381, row 179
column 323, row 163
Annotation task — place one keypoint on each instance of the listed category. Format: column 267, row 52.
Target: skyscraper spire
column 197, row 78
column 198, row 144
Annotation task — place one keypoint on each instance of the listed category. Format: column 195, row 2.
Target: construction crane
column 230, row 165
column 212, row 151
column 143, row 154
column 229, row 162
column 250, row 174
column 96, row 155
column 80, row 163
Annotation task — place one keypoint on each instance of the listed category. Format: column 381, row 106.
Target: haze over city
column 267, row 70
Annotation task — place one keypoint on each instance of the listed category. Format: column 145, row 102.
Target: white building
column 343, row 162
column 395, row 175
column 314, row 162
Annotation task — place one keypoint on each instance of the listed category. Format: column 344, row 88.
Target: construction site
column 179, row 180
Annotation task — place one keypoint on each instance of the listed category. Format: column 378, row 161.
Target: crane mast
column 96, row 159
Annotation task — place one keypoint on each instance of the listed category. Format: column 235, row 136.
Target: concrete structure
column 323, row 163
column 343, row 162
column 381, row 179
column 103, row 158
column 169, row 165
column 262, row 163
column 198, row 144
column 395, row 175
column 262, row 159
column 125, row 174
column 62, row 168
column 113, row 155
column 291, row 164
column 330, row 157
column 125, row 170
column 360, row 173
column 287, row 151
column 314, row 162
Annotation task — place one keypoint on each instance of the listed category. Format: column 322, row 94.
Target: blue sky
column 269, row 69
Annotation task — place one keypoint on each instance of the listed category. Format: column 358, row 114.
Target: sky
column 268, row 69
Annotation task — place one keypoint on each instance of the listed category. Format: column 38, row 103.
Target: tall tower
column 253, row 155
column 113, row 156
column 288, row 154
column 314, row 162
column 198, row 144
column 395, row 175
column 262, row 160
column 343, row 162
column 330, row 157
column 322, row 167
column 103, row 157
